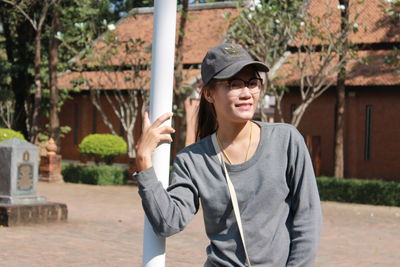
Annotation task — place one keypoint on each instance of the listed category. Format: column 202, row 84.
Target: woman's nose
column 245, row 92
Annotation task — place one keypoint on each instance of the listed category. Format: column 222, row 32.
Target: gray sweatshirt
column 277, row 194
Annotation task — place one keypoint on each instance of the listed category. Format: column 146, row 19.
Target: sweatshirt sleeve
column 168, row 210
column 305, row 210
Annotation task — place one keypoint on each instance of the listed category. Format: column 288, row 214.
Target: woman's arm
column 306, row 214
column 170, row 210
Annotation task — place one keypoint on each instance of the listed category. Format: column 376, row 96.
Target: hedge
column 6, row 134
column 374, row 192
column 96, row 175
column 103, row 147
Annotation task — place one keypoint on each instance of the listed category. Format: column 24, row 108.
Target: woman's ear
column 208, row 96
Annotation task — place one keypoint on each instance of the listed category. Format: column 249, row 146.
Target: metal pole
column 161, row 93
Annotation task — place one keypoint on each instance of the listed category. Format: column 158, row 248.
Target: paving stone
column 105, row 228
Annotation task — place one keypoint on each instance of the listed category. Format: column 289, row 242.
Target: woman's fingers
column 161, row 134
column 160, row 120
column 155, row 133
column 152, row 135
column 166, row 130
column 165, row 138
column 146, row 121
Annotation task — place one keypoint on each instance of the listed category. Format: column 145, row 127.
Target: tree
column 121, row 7
column 272, row 31
column 19, row 19
column 180, row 91
column 341, row 90
column 391, row 9
column 37, row 21
column 53, row 62
column 266, row 31
column 17, row 64
column 120, row 87
column 6, row 109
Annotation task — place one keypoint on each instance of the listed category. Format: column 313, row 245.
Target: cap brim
column 232, row 69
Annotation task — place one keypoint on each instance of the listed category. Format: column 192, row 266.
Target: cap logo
column 234, row 51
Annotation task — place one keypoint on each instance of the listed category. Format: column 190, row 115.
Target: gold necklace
column 248, row 147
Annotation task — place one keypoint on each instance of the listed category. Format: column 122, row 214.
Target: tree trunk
column 341, row 97
column 38, row 83
column 131, row 142
column 179, row 119
column 339, row 125
column 278, row 108
column 53, row 61
column 38, row 90
column 95, row 97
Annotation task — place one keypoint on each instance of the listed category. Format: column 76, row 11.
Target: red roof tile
column 206, row 28
column 121, row 80
column 375, row 72
column 374, row 26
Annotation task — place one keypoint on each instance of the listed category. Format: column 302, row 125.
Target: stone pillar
column 50, row 165
column 18, row 172
column 19, row 202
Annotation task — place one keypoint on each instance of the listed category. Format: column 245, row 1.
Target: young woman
column 268, row 164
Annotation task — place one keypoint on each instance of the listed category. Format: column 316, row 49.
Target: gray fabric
column 276, row 191
column 225, row 60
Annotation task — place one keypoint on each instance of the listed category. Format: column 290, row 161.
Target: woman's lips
column 244, row 106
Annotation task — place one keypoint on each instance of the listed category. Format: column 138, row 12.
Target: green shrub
column 103, row 147
column 374, row 192
column 6, row 134
column 96, row 175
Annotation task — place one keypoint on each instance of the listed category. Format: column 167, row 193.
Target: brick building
column 373, row 96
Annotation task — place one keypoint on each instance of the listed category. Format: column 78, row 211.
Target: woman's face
column 236, row 105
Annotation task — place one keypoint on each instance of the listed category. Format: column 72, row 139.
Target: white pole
column 161, row 93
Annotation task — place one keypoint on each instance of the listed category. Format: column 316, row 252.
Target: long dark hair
column 206, row 116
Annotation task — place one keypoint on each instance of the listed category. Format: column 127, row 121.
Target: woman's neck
column 238, row 142
column 230, row 133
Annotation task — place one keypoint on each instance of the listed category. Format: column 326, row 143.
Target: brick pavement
column 105, row 228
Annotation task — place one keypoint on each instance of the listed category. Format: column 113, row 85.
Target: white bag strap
column 232, row 192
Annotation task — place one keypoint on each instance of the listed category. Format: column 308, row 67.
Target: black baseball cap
column 225, row 60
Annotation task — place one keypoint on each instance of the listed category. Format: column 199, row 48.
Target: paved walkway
column 105, row 228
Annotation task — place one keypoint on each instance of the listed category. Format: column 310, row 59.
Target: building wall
column 384, row 147
column 318, row 121
column 80, row 114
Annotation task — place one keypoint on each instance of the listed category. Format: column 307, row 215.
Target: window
column 76, row 123
column 368, row 126
column 94, row 120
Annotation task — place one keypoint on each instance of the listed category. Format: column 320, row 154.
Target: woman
column 267, row 163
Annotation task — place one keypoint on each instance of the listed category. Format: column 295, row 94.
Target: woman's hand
column 152, row 136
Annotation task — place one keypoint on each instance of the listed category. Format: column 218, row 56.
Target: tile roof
column 367, row 16
column 206, row 28
column 379, row 28
column 374, row 26
column 122, row 80
column 373, row 72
